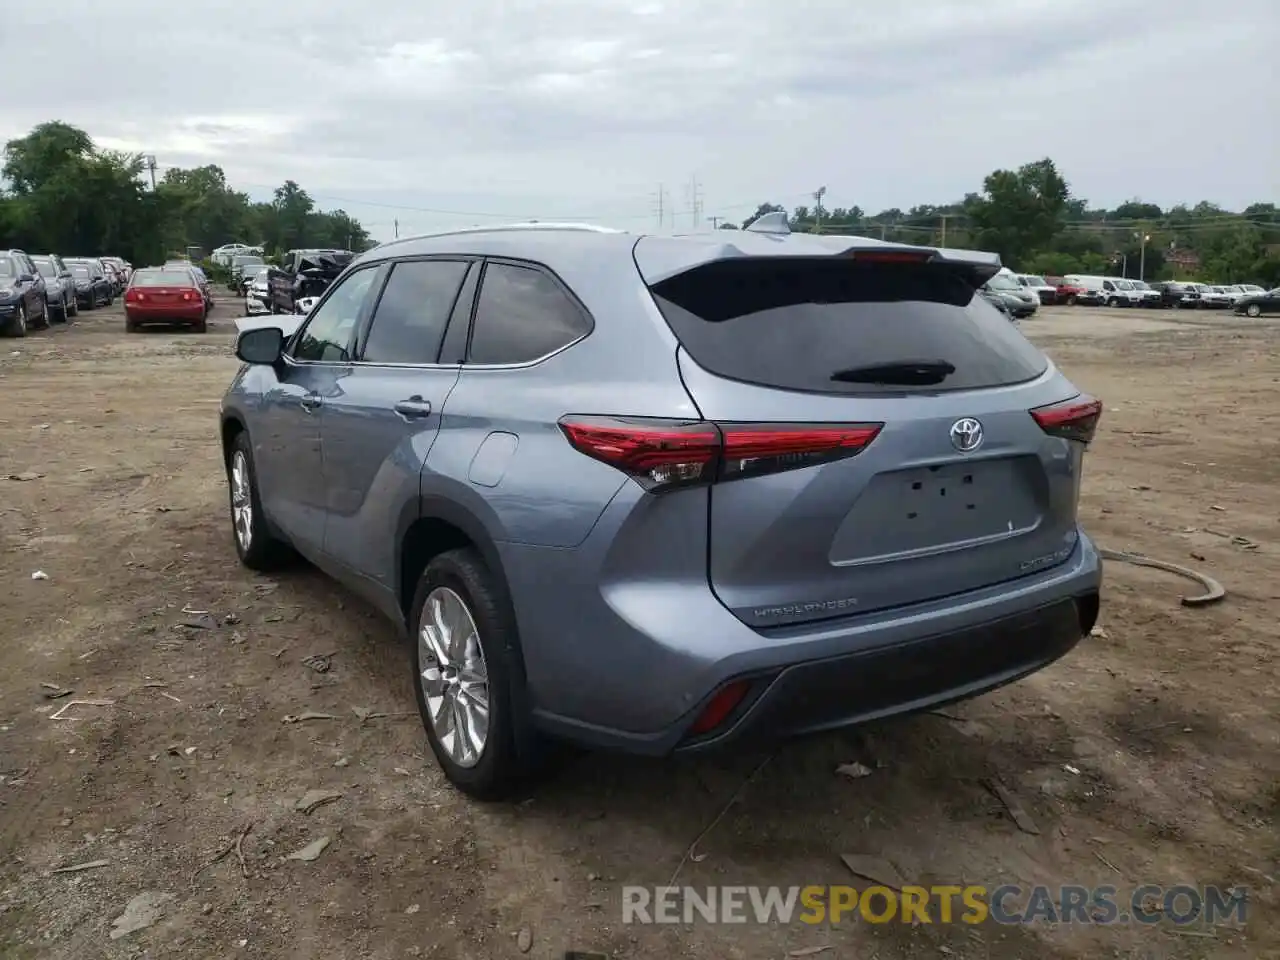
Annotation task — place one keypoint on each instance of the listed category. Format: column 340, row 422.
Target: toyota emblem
column 966, row 435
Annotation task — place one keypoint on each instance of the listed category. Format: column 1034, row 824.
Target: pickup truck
column 302, row 274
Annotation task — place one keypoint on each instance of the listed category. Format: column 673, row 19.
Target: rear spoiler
column 661, row 258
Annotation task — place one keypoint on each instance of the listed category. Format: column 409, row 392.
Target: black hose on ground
column 1214, row 591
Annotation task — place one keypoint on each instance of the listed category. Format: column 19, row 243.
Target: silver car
column 661, row 494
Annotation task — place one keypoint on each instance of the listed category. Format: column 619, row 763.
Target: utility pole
column 715, row 222
column 396, row 224
column 944, row 229
column 817, row 215
column 660, row 205
column 149, row 163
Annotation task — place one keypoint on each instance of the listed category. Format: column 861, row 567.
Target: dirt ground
column 1151, row 754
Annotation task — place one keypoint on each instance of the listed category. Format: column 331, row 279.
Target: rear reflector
column 719, row 707
column 1074, row 419
column 661, row 454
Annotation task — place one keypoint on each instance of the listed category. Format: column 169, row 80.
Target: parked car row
column 41, row 288
column 1101, row 291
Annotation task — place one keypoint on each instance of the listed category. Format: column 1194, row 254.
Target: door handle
column 310, row 401
column 413, row 408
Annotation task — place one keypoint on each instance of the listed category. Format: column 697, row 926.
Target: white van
column 1038, row 287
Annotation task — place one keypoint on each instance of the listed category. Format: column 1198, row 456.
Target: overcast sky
column 474, row 111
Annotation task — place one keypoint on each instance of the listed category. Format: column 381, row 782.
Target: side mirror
column 26, row 278
column 262, row 346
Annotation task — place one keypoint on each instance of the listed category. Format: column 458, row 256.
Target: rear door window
column 410, row 319
column 522, row 315
column 827, row 326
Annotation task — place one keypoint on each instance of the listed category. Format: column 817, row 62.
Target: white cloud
column 581, row 108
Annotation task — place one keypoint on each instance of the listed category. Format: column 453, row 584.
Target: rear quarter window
column 797, row 324
column 522, row 315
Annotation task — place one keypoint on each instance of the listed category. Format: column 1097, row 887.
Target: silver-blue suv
column 659, row 494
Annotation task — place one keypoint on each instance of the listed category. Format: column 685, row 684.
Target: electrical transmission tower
column 694, row 195
column 661, row 205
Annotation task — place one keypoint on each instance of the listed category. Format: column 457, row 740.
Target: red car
column 165, row 295
column 1068, row 293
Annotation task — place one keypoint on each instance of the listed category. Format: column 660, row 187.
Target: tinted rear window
column 162, row 278
column 796, row 324
column 79, row 270
column 7, row 267
column 46, row 267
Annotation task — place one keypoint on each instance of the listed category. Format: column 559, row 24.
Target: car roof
column 658, row 256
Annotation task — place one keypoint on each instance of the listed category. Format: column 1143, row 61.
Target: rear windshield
column 79, row 270
column 162, row 278
column 808, row 325
column 7, row 267
column 46, row 267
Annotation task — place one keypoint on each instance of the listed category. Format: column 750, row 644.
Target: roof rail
column 503, row 227
column 774, row 222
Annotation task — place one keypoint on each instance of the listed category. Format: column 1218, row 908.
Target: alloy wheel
column 454, row 676
column 241, row 501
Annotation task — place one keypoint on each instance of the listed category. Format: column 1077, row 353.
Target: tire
column 18, row 328
column 465, row 588
column 1071, row 301
column 202, row 325
column 1113, row 302
column 260, row 549
column 73, row 307
column 130, row 326
column 1253, row 310
column 44, row 318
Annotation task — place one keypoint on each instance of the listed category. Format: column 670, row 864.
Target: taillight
column 657, row 453
column 1074, row 419
column 752, row 449
column 660, row 454
column 132, row 296
column 186, row 296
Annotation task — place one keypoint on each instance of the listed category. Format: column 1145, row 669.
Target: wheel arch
column 432, row 526
column 232, row 426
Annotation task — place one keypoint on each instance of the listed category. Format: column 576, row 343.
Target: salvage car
column 1018, row 301
column 665, row 494
column 92, row 287
column 257, row 295
column 165, row 295
column 23, row 305
column 1257, row 304
column 59, row 286
column 303, row 273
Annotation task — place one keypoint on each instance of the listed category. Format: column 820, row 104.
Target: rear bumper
column 634, row 664
column 168, row 313
column 904, row 678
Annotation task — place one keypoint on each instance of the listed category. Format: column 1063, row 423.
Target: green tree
column 1020, row 210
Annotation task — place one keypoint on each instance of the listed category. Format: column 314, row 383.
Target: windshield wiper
column 898, row 372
